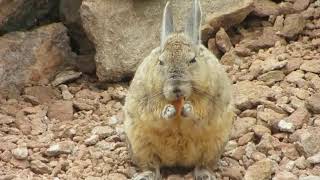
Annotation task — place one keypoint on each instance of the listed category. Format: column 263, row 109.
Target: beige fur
column 197, row 142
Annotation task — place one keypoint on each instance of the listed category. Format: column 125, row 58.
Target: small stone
column 116, row 176
column 92, row 140
column 61, row 110
column 66, row 95
column 265, row 144
column 300, row 5
column 102, row 131
column 301, row 163
column 311, row 177
column 4, row 119
column 20, row 153
column 232, row 172
column 315, row 159
column 260, row 170
column 6, row 156
column 260, row 130
column 223, row 41
column 299, row 117
column 271, row 77
column 285, row 175
column 175, row 177
column 39, row 167
column 293, row 25
column 313, row 103
column 285, row 126
column 307, row 140
column 65, row 76
column 311, row 66
column 31, row 99
column 65, row 147
column 245, row 138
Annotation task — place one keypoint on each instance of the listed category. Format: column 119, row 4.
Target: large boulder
column 32, row 57
column 24, row 14
column 124, row 32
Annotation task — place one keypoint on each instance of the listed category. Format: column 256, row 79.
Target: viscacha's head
column 177, row 62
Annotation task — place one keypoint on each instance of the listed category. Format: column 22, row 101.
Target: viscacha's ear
column 167, row 24
column 192, row 29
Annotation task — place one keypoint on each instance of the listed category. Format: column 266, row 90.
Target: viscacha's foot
column 203, row 174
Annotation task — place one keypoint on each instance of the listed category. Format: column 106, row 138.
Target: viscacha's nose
column 177, row 92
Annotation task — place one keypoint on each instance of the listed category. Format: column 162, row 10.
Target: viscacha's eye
column 193, row 60
column 160, row 62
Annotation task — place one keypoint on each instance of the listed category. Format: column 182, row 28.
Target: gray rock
column 39, row 167
column 285, row 126
column 293, row 25
column 103, row 131
column 260, row 170
column 20, row 153
column 92, row 140
column 65, row 76
column 65, row 147
column 315, row 159
column 116, row 29
column 313, row 103
column 307, row 140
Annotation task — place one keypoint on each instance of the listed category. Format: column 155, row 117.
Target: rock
column 300, row 5
column 39, row 167
column 272, row 77
column 260, row 170
column 289, row 151
column 20, row 153
column 241, row 126
column 311, row 177
column 230, row 59
column 228, row 13
column 70, row 16
column 61, row 110
column 24, row 14
column 44, row 94
column 65, row 76
column 301, row 163
column 299, row 117
column 92, row 140
column 245, row 92
column 23, row 123
column 285, row 175
column 102, row 131
column 66, row 95
column 263, row 8
column 266, row 39
column 315, row 159
column 306, row 140
column 4, row 119
column 293, row 25
column 212, row 46
column 175, row 177
column 313, row 103
column 260, row 130
column 223, row 41
column 232, row 172
column 119, row 46
column 117, row 176
column 295, row 76
column 266, row 143
column 21, row 164
column 34, row 56
column 311, row 66
column 245, row 138
column 6, row 156
column 271, row 64
column 31, row 99
column 65, row 147
column 285, row 126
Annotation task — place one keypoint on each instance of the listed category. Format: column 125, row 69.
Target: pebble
column 20, row 153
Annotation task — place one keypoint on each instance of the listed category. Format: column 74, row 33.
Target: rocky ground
column 70, row 125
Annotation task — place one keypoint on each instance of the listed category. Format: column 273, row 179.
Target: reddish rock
column 223, row 41
column 293, row 25
column 61, row 110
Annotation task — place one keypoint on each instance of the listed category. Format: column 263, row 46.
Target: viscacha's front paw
column 169, row 112
column 187, row 111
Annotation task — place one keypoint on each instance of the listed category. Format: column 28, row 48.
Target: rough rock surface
column 116, row 29
column 32, row 57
